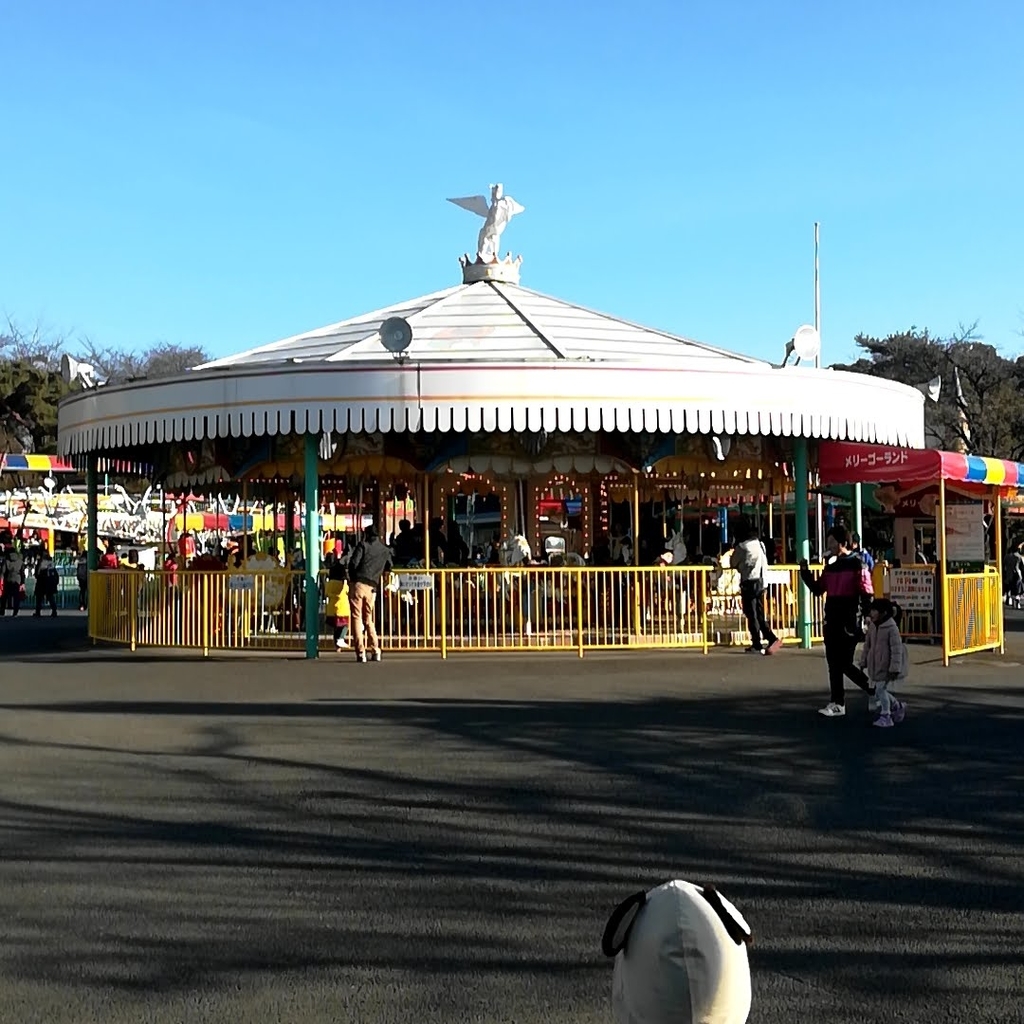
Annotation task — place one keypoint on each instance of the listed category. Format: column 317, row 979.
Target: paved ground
column 270, row 840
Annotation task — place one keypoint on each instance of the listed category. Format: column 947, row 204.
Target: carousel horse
column 515, row 550
column 675, row 548
column 724, row 584
column 557, row 591
column 515, row 553
column 673, row 596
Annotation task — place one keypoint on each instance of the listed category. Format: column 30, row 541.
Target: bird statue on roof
column 496, row 216
column 680, row 954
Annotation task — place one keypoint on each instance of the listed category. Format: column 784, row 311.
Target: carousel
column 568, row 477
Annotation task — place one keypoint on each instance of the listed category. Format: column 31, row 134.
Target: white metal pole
column 820, row 526
column 817, row 297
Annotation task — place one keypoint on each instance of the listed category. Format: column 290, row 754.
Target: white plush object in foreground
column 678, row 963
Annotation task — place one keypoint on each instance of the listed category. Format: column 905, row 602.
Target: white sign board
column 776, row 578
column 912, row 589
column 415, row 581
column 965, row 532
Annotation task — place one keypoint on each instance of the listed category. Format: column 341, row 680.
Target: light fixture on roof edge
column 805, row 345
column 396, row 337
column 931, row 389
column 73, row 371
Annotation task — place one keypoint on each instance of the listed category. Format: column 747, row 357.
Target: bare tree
column 165, row 359
column 37, row 346
column 31, row 385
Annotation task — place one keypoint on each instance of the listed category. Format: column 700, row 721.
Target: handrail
column 448, row 609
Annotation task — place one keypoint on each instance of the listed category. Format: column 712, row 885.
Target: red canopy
column 848, row 462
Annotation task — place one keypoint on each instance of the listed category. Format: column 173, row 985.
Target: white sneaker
column 832, row 710
column 340, row 643
column 376, row 656
column 361, row 658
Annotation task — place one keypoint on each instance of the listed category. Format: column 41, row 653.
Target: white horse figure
column 675, row 555
column 675, row 550
column 515, row 552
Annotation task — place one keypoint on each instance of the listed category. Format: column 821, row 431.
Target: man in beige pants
column 371, row 562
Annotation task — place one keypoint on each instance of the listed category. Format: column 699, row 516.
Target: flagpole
column 817, row 298
column 820, row 504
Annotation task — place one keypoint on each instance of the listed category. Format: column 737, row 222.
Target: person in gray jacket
column 13, row 579
column 750, row 559
column 371, row 562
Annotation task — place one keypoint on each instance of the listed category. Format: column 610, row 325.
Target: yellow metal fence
column 449, row 610
column 975, row 609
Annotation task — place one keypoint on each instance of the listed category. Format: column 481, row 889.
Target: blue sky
column 226, row 173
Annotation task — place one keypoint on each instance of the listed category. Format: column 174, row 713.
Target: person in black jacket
column 846, row 584
column 82, row 574
column 371, row 561
column 47, row 584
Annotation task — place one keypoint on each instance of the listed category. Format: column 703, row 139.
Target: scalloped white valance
column 563, row 396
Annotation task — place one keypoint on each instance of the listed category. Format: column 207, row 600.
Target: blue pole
column 802, row 527
column 312, row 498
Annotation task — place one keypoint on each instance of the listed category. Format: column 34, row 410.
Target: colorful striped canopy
column 16, row 463
column 846, row 462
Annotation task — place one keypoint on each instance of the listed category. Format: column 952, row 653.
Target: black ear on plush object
column 616, row 931
column 680, row 957
column 736, row 927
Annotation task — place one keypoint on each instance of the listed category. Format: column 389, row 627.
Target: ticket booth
column 957, row 499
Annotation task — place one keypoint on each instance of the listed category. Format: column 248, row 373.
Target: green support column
column 858, row 512
column 802, row 530
column 92, row 512
column 312, row 497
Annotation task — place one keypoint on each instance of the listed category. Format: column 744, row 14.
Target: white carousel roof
column 490, row 322
column 491, row 356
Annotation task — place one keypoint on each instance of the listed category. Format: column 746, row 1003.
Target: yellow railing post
column 703, row 609
column 204, row 611
column 579, row 611
column 133, row 608
column 444, row 617
column 634, row 578
column 428, row 617
column 998, row 533
column 945, row 578
column 93, row 586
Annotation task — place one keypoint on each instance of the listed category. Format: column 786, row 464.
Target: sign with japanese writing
column 240, row 582
column 965, row 533
column 847, row 462
column 912, row 589
column 890, row 458
column 415, row 581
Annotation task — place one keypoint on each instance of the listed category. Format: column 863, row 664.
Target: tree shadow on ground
column 494, row 836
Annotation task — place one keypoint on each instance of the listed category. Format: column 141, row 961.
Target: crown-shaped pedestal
column 505, row 271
